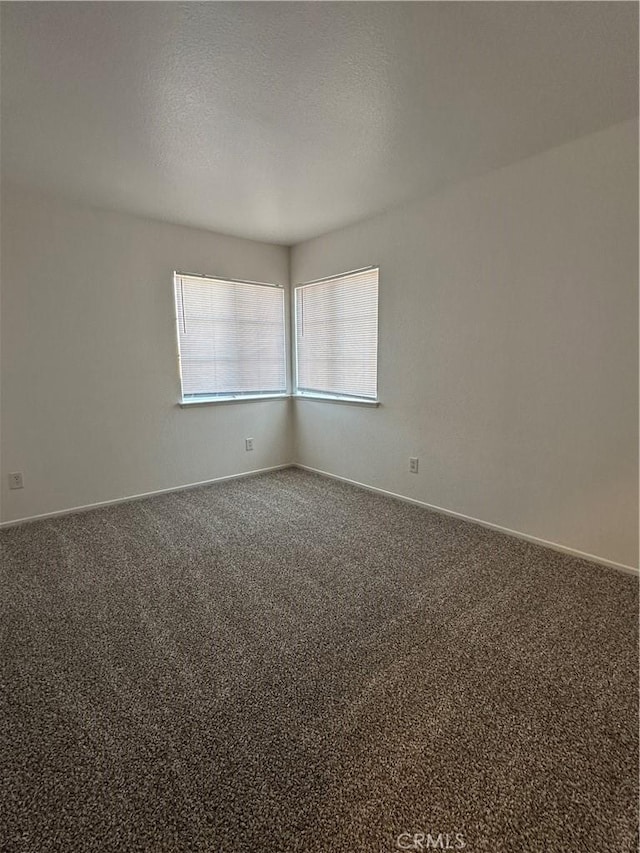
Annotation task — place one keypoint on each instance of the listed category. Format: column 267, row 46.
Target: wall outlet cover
column 15, row 480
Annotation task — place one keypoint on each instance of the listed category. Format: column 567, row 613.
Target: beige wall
column 508, row 349
column 89, row 381
column 508, row 353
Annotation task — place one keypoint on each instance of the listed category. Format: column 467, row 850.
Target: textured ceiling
column 280, row 121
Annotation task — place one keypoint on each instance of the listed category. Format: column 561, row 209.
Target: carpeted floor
column 286, row 663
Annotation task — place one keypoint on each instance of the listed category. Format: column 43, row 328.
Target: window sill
column 323, row 398
column 327, row 398
column 240, row 398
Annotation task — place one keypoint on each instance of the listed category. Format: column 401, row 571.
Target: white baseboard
column 554, row 546
column 113, row 501
column 518, row 534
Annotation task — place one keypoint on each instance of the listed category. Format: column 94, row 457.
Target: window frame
column 241, row 396
column 319, row 396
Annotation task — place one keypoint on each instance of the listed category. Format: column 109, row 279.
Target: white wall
column 89, row 381
column 508, row 352
column 508, row 349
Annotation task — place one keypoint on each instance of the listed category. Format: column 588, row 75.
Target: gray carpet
column 286, row 663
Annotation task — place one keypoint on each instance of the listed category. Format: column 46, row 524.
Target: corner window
column 231, row 339
column 336, row 337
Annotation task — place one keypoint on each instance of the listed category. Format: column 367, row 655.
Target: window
column 336, row 336
column 231, row 338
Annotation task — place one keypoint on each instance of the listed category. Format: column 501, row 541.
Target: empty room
column 319, row 427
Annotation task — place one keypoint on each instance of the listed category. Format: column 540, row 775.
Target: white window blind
column 337, row 336
column 231, row 338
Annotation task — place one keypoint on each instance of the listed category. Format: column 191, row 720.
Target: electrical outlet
column 15, row 480
column 413, row 464
column 248, row 444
